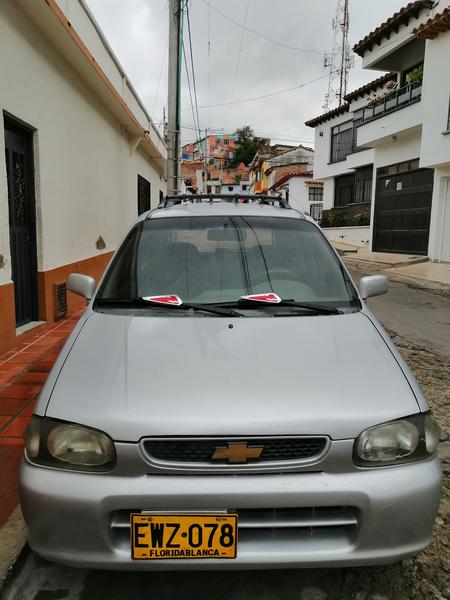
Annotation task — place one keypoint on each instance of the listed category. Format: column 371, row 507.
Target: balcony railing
column 394, row 101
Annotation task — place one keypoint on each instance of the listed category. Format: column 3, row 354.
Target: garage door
column 402, row 208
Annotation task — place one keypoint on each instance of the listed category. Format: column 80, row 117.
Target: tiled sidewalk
column 23, row 372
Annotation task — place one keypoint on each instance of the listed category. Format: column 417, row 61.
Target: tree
column 247, row 146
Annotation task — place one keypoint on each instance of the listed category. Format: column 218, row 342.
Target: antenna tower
column 340, row 60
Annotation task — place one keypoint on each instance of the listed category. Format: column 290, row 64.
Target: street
column 425, row 344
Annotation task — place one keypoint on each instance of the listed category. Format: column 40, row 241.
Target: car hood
column 135, row 376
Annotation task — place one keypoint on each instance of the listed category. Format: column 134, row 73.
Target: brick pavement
column 23, row 371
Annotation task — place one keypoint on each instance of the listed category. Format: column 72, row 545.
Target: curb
column 366, row 267
column 13, row 536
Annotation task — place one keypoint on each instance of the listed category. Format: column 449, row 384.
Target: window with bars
column 315, row 211
column 343, row 190
column 144, row 195
column 363, row 185
column 355, row 188
column 342, row 141
column 315, row 194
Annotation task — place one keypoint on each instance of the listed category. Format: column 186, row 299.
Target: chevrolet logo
column 237, row 452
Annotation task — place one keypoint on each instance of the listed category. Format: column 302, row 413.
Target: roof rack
column 235, row 198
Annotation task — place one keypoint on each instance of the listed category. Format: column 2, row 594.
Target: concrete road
column 416, row 315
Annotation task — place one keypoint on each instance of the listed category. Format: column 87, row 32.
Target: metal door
column 22, row 220
column 402, row 209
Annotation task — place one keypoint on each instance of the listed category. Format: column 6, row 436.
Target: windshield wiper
column 141, row 303
column 314, row 307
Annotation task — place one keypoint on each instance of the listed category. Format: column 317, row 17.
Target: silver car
column 228, row 401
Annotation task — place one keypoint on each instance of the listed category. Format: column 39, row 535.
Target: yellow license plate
column 170, row 536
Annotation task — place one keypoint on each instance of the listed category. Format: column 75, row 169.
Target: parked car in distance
column 228, row 401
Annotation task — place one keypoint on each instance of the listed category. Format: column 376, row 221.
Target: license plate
column 173, row 536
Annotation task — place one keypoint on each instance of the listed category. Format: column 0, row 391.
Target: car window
column 220, row 258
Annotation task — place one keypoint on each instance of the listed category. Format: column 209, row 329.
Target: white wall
column 298, row 194
column 435, row 146
column 322, row 166
column 83, row 22
column 439, row 241
column 399, row 123
column 86, row 170
column 357, row 236
column 328, row 193
column 435, row 149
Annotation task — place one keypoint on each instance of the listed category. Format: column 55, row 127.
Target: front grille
column 201, row 450
column 313, row 528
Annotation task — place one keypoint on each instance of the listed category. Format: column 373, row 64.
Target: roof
column 300, row 155
column 289, row 171
column 402, row 17
column 429, row 30
column 340, row 110
column 370, row 87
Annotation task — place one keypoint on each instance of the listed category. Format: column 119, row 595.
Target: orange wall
column 7, row 317
column 93, row 266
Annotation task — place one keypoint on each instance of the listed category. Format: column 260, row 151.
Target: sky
column 232, row 64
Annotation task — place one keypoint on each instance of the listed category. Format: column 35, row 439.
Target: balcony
column 394, row 101
column 396, row 114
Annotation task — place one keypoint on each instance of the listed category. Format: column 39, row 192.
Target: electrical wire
column 236, row 70
column 261, row 35
column 160, row 75
column 296, row 87
column 196, row 124
column 192, row 68
column 263, row 134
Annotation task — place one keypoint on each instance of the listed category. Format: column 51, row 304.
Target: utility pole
column 340, row 60
column 174, row 98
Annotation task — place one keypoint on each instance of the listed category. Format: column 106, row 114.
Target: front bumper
column 71, row 516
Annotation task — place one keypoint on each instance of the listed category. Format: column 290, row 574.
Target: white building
column 82, row 157
column 291, row 175
column 384, row 156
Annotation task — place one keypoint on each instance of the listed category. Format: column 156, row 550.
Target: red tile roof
column 285, row 172
column 369, row 87
column 440, row 23
column 340, row 110
column 402, row 17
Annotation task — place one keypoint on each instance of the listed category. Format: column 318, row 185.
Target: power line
column 160, row 75
column 192, row 67
column 291, row 126
column 236, row 70
column 257, row 134
column 265, row 37
column 190, row 91
column 296, row 87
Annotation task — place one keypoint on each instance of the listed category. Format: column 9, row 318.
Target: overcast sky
column 137, row 30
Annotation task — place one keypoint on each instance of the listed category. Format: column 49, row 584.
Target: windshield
column 218, row 259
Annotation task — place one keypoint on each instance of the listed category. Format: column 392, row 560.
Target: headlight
column 404, row 440
column 68, row 446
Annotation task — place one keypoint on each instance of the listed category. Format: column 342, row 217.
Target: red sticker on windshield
column 170, row 299
column 269, row 297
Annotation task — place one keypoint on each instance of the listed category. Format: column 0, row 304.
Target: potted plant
column 415, row 76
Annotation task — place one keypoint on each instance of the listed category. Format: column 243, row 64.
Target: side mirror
column 83, row 285
column 373, row 285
